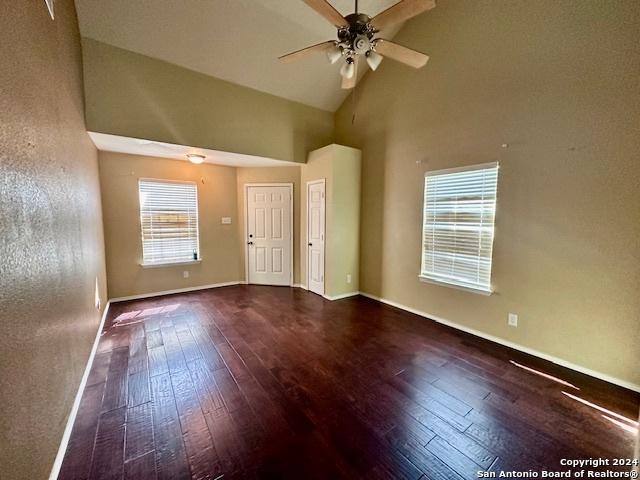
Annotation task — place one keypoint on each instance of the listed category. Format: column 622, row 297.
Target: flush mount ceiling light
column 195, row 158
column 357, row 37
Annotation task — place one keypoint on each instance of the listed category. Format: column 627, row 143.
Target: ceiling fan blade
column 401, row 54
column 349, row 83
column 401, row 11
column 324, row 8
column 298, row 54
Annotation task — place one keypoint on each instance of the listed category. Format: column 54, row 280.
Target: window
column 169, row 220
column 457, row 237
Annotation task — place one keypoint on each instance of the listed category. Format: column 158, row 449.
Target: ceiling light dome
column 195, row 158
column 334, row 54
column 373, row 59
column 348, row 69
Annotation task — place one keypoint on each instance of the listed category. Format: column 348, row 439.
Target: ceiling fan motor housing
column 361, row 44
column 357, row 38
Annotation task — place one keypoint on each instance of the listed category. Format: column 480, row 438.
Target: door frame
column 323, row 181
column 246, row 225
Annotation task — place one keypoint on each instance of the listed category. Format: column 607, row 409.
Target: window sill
column 171, row 264
column 453, row 285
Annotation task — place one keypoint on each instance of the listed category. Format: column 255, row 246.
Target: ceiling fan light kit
column 334, row 54
column 348, row 70
column 373, row 59
column 357, row 37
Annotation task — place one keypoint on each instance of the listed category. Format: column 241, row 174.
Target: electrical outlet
column 226, row 220
column 513, row 320
column 185, row 274
column 348, row 278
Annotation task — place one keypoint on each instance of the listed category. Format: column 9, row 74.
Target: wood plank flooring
column 272, row 382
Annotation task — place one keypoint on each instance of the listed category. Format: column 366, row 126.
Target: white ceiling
column 138, row 146
column 235, row 40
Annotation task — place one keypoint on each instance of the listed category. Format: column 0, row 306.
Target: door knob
column 311, row 244
column 249, row 243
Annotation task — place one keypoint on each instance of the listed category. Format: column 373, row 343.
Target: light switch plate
column 226, row 220
column 513, row 320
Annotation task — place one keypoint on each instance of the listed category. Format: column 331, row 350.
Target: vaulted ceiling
column 235, row 40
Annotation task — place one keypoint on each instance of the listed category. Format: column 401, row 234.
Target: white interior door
column 269, row 236
column 315, row 236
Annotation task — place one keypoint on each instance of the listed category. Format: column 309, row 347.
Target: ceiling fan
column 357, row 37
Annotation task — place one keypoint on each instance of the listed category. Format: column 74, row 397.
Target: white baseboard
column 328, row 297
column 57, row 464
column 177, row 290
column 506, row 343
column 341, row 296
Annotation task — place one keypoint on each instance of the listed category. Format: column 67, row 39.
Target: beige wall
column 270, row 175
column 558, row 82
column 219, row 244
column 339, row 166
column 344, row 242
column 137, row 96
column 51, row 244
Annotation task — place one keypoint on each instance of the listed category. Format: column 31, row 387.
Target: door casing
column 324, row 242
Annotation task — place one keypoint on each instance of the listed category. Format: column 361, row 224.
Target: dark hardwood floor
column 271, row 382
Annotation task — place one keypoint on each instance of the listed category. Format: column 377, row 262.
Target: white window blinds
column 169, row 219
column 459, row 213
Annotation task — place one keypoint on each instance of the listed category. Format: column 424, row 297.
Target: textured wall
column 51, row 244
column 344, row 243
column 558, row 82
column 137, row 96
column 219, row 244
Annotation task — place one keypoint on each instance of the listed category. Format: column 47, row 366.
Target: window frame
column 146, row 264
column 453, row 284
